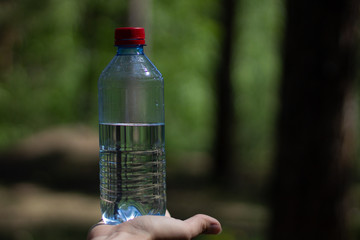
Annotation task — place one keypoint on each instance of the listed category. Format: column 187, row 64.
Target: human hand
column 156, row 228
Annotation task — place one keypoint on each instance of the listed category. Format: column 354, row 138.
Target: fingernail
column 214, row 228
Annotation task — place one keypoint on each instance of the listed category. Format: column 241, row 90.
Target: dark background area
column 261, row 104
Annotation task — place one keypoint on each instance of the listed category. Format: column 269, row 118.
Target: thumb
column 201, row 223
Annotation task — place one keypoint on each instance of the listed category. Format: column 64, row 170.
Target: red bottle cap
column 129, row 36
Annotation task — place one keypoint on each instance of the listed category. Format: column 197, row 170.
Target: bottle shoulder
column 131, row 66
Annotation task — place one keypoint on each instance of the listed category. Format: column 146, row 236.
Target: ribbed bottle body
column 132, row 138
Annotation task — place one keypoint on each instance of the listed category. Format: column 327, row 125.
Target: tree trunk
column 313, row 153
column 139, row 15
column 223, row 150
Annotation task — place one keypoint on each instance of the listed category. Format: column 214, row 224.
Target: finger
column 203, row 224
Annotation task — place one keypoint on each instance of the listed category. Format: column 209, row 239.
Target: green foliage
column 55, row 52
column 185, row 47
column 57, row 49
column 256, row 71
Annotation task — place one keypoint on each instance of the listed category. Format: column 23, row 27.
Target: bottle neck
column 130, row 50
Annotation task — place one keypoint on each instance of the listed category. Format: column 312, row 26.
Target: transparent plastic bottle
column 131, row 132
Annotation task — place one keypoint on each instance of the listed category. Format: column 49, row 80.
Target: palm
column 157, row 227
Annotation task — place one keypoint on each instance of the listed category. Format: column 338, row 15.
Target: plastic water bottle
column 131, row 132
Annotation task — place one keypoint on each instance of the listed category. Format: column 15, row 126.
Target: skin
column 156, row 228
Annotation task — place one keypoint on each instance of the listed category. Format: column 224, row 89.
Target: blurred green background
column 52, row 53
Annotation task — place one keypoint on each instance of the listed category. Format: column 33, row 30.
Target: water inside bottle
column 132, row 171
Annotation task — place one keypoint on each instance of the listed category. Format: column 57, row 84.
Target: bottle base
column 124, row 215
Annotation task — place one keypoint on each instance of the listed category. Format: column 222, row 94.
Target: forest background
column 52, row 53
